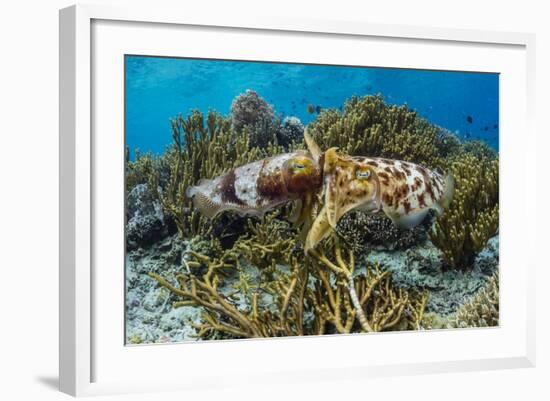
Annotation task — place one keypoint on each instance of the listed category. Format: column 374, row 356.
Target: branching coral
column 281, row 315
column 143, row 169
column 369, row 127
column 472, row 218
column 482, row 310
column 370, row 297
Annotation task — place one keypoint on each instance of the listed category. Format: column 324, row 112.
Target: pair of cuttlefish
column 404, row 191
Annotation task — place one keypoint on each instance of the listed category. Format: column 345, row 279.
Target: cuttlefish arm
column 348, row 185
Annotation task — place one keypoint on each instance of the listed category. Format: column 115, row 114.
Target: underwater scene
column 269, row 199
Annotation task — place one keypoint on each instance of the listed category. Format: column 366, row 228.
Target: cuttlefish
column 255, row 188
column 402, row 190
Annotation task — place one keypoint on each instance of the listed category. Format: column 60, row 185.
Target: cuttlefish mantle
column 404, row 191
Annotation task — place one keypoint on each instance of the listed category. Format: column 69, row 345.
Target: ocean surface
column 158, row 89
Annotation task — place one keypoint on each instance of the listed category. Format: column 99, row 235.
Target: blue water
column 160, row 88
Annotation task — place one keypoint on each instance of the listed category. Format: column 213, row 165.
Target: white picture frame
column 80, row 344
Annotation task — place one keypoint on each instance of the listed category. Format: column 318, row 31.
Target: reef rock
column 146, row 222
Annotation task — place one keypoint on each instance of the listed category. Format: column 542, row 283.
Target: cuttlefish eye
column 362, row 174
column 300, row 165
column 301, row 174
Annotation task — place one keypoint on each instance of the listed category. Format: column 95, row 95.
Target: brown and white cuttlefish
column 258, row 187
column 404, row 191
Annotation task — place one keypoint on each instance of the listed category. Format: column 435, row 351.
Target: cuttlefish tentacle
column 319, row 230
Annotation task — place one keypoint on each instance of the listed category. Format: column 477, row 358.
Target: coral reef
column 482, row 310
column 243, row 277
column 251, row 113
column 369, row 127
column 472, row 218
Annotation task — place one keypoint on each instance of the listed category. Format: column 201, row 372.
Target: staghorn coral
column 273, row 308
column 482, row 310
column 287, row 293
column 369, row 127
column 370, row 298
column 251, row 113
column 472, row 218
column 202, row 148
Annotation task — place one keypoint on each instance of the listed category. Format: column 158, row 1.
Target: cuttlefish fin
column 312, row 146
column 206, row 206
column 409, row 220
column 447, row 197
column 318, row 231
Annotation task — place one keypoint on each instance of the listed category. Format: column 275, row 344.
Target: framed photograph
column 309, row 199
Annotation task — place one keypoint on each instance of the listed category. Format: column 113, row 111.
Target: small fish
column 258, row 187
column 404, row 191
column 469, row 119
